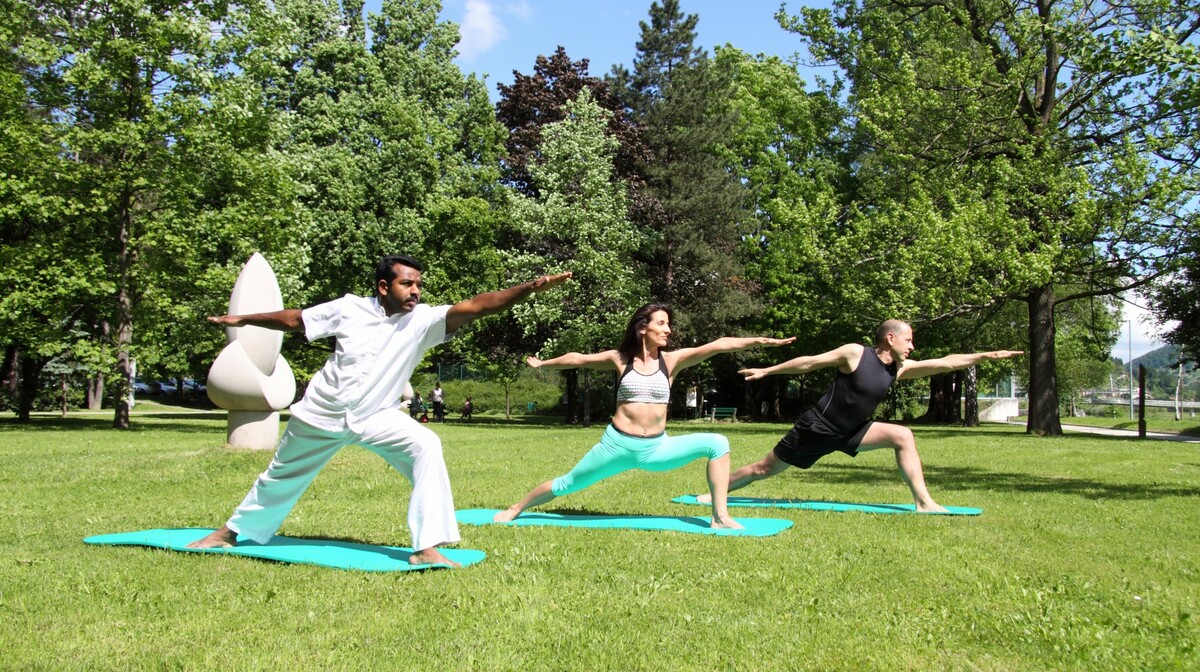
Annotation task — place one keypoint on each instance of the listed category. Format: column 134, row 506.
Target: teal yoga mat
column 819, row 505
column 323, row 552
column 754, row 527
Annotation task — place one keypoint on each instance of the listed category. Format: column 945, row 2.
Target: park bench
column 723, row 413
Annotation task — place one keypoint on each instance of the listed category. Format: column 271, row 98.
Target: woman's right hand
column 533, row 362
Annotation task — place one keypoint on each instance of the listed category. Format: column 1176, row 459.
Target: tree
column 1177, row 299
column 695, row 206
column 1054, row 136
column 578, row 222
column 137, row 99
column 532, row 102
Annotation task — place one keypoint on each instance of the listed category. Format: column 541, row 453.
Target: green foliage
column 694, row 205
column 577, row 223
column 784, row 153
column 488, row 396
column 1046, row 148
column 152, row 171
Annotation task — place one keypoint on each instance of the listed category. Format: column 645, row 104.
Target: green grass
column 1087, row 556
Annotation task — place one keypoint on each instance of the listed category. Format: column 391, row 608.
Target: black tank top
column 853, row 397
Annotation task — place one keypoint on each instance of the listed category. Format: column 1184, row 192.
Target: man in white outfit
column 355, row 399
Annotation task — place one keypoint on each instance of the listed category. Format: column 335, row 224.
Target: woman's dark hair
column 386, row 268
column 631, row 343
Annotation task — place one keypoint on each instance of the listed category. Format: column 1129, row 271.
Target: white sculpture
column 250, row 378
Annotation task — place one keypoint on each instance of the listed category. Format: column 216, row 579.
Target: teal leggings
column 619, row 452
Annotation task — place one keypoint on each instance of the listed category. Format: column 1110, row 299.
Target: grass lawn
column 1087, row 556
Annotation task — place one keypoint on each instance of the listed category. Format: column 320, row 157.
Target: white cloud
column 480, row 30
column 522, row 10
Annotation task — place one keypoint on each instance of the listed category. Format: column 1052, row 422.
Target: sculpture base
column 253, row 430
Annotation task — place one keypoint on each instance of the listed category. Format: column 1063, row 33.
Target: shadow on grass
column 972, row 478
column 167, row 420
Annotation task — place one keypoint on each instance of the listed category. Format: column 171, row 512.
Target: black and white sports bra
column 651, row 389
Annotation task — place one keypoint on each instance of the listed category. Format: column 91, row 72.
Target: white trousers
column 406, row 444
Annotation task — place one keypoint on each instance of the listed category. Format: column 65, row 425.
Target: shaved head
column 889, row 327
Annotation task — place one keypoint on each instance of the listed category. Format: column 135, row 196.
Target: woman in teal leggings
column 637, row 437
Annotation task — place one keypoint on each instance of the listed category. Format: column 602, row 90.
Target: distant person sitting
column 467, row 408
column 415, row 406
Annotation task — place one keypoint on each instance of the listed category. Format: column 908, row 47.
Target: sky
column 1140, row 331
column 499, row 36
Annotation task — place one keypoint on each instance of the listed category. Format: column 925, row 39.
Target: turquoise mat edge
column 330, row 553
column 754, row 527
column 837, row 507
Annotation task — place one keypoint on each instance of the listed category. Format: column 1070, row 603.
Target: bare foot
column 222, row 538
column 706, row 498
column 726, row 524
column 431, row 556
column 506, row 516
column 931, row 507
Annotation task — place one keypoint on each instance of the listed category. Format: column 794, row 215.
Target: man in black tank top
column 841, row 420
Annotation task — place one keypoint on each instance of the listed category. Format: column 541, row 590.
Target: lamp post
column 1129, row 323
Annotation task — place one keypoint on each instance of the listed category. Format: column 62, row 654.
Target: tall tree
column 141, row 95
column 696, row 206
column 394, row 149
column 578, row 222
column 1055, row 135
column 533, row 101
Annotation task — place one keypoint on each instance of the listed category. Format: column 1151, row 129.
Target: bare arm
column 912, row 368
column 845, row 358
column 685, row 357
column 490, row 303
column 280, row 320
column 609, row 359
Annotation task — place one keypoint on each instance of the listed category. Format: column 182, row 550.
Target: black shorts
column 813, row 437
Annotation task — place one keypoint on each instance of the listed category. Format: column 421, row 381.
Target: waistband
column 635, row 436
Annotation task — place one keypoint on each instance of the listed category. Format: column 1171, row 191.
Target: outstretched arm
column 490, row 303
column 845, row 358
column 912, row 368
column 609, row 359
column 279, row 320
column 685, row 357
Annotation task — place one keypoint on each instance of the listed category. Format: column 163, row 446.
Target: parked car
column 164, row 387
column 191, row 387
column 140, row 387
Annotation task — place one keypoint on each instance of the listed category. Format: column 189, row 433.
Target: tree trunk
column 1179, row 395
column 31, row 371
column 943, row 400
column 11, row 374
column 507, row 404
column 95, row 392
column 587, row 398
column 126, row 257
column 1043, row 382
column 971, row 394
column 572, row 378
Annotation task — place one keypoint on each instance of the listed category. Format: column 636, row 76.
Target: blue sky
column 499, row 36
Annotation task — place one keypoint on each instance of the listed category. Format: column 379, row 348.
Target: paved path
column 1127, row 433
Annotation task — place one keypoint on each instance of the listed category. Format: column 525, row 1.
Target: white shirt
column 373, row 360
